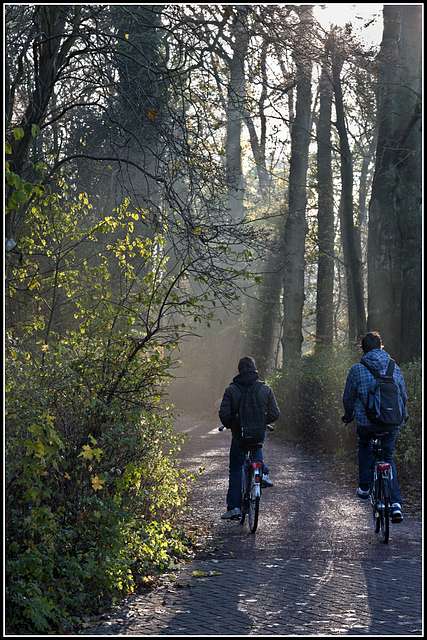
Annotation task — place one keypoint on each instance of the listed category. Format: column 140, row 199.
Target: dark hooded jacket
column 228, row 411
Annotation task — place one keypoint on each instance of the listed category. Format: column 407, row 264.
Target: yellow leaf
column 152, row 114
column 97, row 483
column 86, row 452
column 45, row 347
column 67, row 476
column 39, row 449
column 126, row 36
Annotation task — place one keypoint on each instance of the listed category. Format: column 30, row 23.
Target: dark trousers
column 237, row 458
column 366, row 457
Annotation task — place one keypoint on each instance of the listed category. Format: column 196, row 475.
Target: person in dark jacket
column 228, row 414
column 355, row 399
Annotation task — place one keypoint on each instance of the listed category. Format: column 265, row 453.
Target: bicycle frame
column 251, row 490
column 380, row 493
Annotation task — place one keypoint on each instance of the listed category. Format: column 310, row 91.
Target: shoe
column 362, row 494
column 396, row 513
column 266, row 482
column 231, row 514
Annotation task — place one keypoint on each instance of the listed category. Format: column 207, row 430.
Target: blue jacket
column 360, row 380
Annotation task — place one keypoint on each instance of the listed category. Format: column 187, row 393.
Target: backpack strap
column 371, row 370
column 390, row 368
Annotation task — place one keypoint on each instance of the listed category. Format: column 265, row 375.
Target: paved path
column 314, row 566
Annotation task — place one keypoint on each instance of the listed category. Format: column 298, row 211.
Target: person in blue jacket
column 355, row 398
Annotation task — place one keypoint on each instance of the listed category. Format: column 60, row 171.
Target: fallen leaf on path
column 206, row 574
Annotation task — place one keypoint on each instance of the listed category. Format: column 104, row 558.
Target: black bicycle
column 251, row 487
column 252, row 472
column 381, row 491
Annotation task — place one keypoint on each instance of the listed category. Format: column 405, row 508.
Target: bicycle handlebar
column 269, row 427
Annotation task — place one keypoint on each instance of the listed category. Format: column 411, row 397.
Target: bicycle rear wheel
column 254, row 496
column 253, row 513
column 382, row 527
column 244, row 494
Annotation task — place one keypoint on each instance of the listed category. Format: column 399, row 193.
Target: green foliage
column 94, row 493
column 86, row 517
column 409, row 446
column 312, row 408
column 20, row 190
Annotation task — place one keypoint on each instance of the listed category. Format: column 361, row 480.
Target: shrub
column 409, row 446
column 94, row 492
column 87, row 517
column 311, row 401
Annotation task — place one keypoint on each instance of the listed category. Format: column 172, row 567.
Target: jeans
column 366, row 457
column 237, row 458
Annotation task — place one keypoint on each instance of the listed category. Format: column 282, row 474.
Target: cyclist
column 359, row 384
column 246, row 382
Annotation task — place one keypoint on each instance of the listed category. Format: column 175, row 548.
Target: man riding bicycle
column 361, row 400
column 260, row 396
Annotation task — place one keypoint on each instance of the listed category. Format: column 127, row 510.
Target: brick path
column 314, row 566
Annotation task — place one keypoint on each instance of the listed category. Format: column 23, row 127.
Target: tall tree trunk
column 50, row 49
column 258, row 143
column 325, row 215
column 350, row 233
column 295, row 227
column 264, row 311
column 394, row 243
column 365, row 181
column 265, row 320
column 409, row 192
column 235, row 111
column 140, row 106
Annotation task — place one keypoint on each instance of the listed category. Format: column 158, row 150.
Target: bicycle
column 251, row 487
column 381, row 491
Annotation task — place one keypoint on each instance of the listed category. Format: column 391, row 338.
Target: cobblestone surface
column 314, row 567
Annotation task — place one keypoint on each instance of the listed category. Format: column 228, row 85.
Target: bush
column 311, row 401
column 409, row 446
column 87, row 517
column 94, row 492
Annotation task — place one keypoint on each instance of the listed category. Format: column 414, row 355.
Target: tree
column 394, row 244
column 295, row 227
column 325, row 215
column 350, row 232
column 235, row 111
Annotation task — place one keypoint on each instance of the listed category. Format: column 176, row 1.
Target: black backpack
column 384, row 401
column 251, row 414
